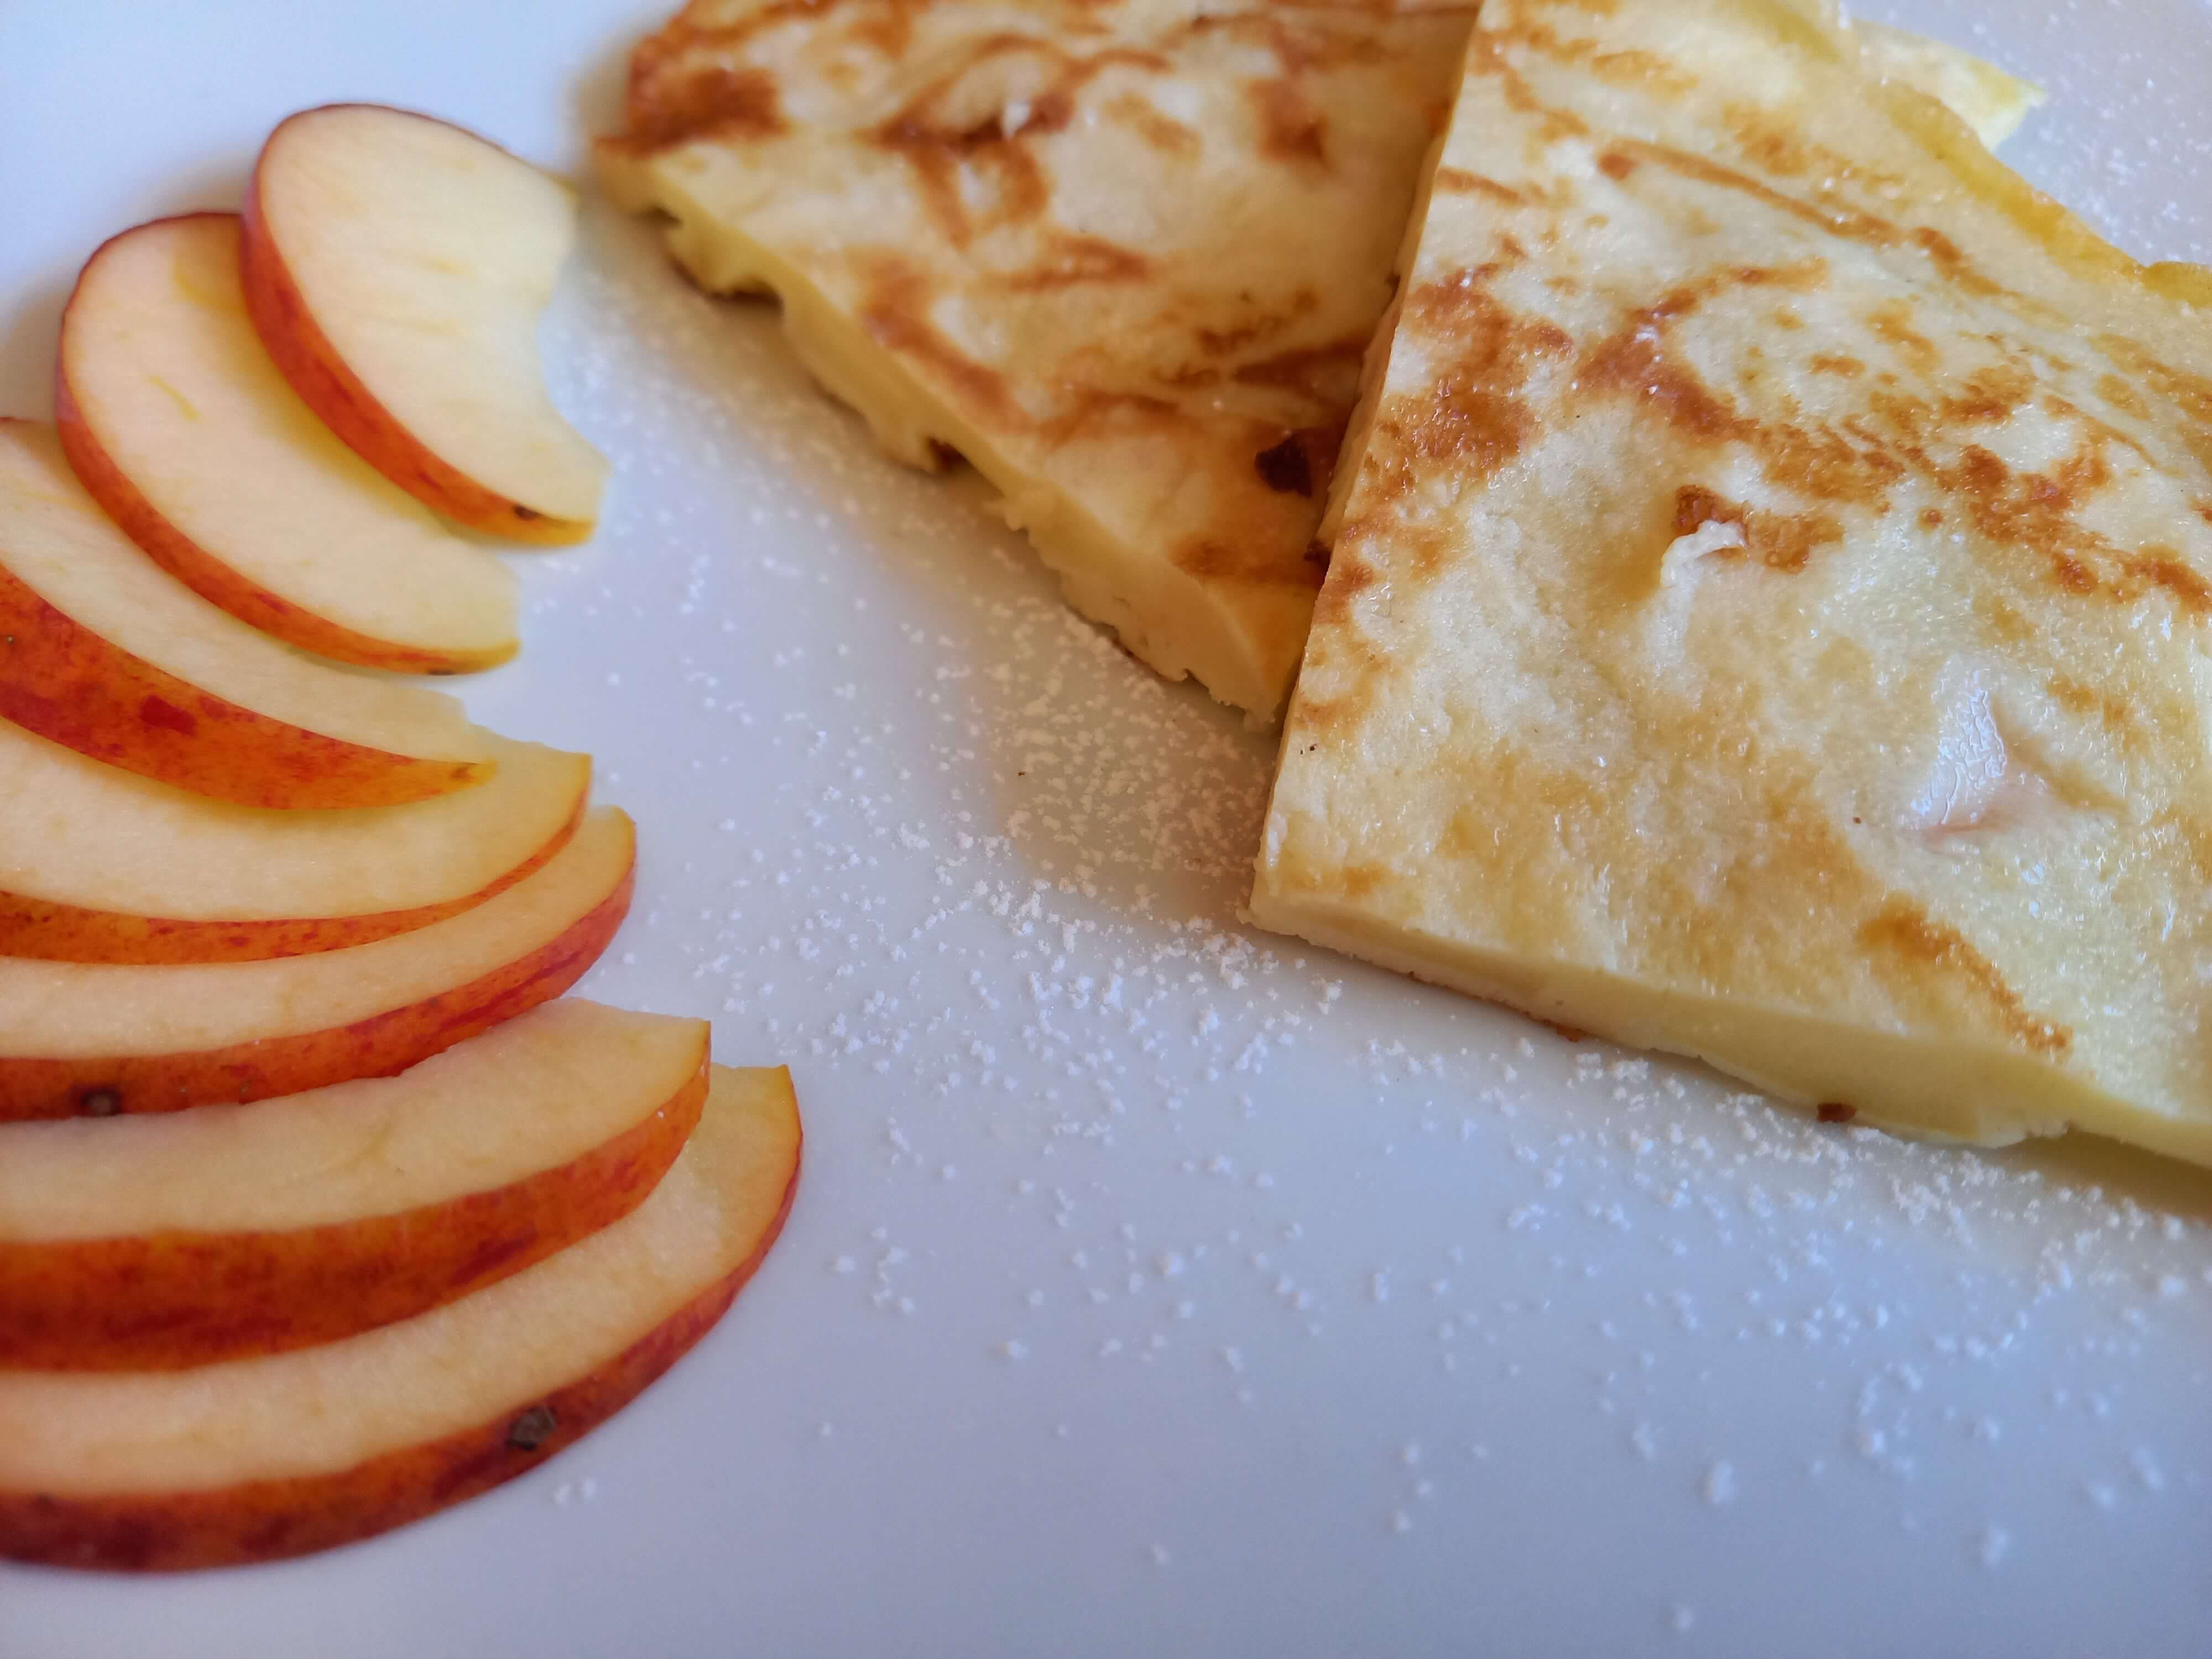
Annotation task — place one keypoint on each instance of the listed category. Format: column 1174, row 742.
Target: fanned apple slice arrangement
column 320, row 1211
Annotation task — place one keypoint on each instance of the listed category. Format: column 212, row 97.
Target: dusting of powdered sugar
column 1081, row 1140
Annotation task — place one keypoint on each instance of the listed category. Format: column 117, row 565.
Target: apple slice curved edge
column 394, row 266
column 154, row 1243
column 79, row 1039
column 98, row 864
column 260, row 1459
column 103, row 652
column 182, row 429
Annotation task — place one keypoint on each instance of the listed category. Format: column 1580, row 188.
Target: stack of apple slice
column 369, row 1222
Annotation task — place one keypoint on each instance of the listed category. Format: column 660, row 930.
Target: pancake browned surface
column 1123, row 256
column 1768, row 620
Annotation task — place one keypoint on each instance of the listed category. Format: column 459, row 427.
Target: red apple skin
column 215, row 580
column 271, row 1520
column 62, row 681
column 304, row 355
column 47, row 932
column 171, row 1300
column 376, row 1047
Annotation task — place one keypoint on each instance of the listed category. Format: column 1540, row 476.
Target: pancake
column 1769, row 605
column 1123, row 255
column 1986, row 98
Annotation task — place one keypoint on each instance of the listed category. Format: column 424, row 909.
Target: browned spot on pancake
column 1615, row 166
column 2162, row 567
column 1285, row 467
column 896, row 314
column 1302, row 462
column 2087, row 700
column 1471, row 415
column 1835, row 1111
column 1835, row 219
column 1461, row 182
column 2188, row 392
column 1627, row 67
column 1290, row 128
column 1328, row 374
column 978, row 120
column 2204, row 511
column 1486, row 56
column 1077, row 260
column 1084, row 409
column 1223, row 342
column 1363, row 880
column 1954, row 264
column 1831, row 362
column 1349, row 576
column 2038, row 511
column 717, row 102
column 1930, row 517
column 1790, row 154
column 1937, row 948
column 1781, row 541
column 1990, row 395
column 1156, row 127
column 1205, row 558
column 1635, row 361
column 1892, row 322
column 2117, row 392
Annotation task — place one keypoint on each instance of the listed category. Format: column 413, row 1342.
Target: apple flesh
column 179, row 426
column 100, row 1039
column 98, row 865
column 156, row 1242
column 395, row 268
column 102, row 651
column 262, row 1458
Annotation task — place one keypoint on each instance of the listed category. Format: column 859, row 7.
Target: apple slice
column 100, row 865
column 395, row 268
column 154, row 1243
column 258, row 1459
column 99, row 1039
column 103, row 651
column 181, row 427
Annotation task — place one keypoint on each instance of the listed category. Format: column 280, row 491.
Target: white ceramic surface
column 1156, row 1287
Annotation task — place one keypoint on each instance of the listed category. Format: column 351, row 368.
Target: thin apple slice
column 103, row 651
column 98, row 1039
column 100, row 865
column 395, row 268
column 156, row 1242
column 182, row 429
column 258, row 1459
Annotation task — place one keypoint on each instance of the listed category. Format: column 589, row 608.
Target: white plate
column 1156, row 1285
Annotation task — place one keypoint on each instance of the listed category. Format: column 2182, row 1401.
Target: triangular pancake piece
column 1769, row 619
column 1123, row 256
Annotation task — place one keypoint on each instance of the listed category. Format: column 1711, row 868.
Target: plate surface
column 1156, row 1285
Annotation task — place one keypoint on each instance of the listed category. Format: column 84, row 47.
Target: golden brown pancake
column 1769, row 611
column 1124, row 257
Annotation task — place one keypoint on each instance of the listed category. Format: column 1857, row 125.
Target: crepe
column 1768, row 614
column 1986, row 98
column 1123, row 255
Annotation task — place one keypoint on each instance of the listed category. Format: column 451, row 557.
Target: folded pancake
column 1122, row 255
column 1768, row 616
column 1986, row 98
